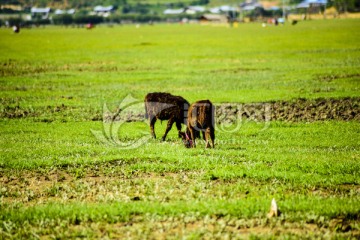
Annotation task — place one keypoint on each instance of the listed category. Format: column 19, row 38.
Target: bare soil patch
column 345, row 109
column 298, row 110
column 108, row 182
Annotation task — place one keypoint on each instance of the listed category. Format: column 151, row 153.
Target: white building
column 43, row 13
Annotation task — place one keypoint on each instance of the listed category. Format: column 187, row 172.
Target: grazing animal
column 201, row 118
column 164, row 106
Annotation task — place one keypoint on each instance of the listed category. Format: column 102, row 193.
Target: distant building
column 60, row 12
column 195, row 9
column 250, row 5
column 311, row 3
column 13, row 7
column 213, row 18
column 223, row 9
column 309, row 7
column 104, row 11
column 174, row 11
column 42, row 13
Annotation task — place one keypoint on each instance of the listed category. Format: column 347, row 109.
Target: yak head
column 186, row 138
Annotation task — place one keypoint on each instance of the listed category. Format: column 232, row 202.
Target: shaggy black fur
column 164, row 106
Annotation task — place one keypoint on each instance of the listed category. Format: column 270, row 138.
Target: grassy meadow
column 65, row 173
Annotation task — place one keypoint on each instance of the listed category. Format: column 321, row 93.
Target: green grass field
column 64, row 173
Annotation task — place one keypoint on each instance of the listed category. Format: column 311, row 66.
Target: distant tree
column 293, row 2
column 15, row 21
column 64, row 19
column 11, row 2
column 117, row 3
column 38, row 3
column 138, row 8
column 84, row 19
column 346, row 5
column 357, row 5
column 141, row 8
column 82, row 12
column 199, row 2
column 126, row 9
column 78, row 3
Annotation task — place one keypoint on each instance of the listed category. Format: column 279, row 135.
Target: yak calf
column 164, row 106
column 201, row 118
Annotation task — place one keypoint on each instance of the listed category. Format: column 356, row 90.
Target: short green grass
column 70, row 178
column 58, row 180
column 244, row 64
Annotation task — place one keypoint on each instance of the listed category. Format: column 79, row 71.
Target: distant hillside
column 65, row 4
column 92, row 3
column 151, row 5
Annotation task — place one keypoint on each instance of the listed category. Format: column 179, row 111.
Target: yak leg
column 168, row 128
column 203, row 134
column 152, row 126
column 207, row 137
column 193, row 136
column 212, row 136
column 178, row 126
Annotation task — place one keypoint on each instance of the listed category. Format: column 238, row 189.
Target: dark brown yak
column 164, row 106
column 201, row 118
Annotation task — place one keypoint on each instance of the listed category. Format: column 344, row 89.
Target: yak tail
column 213, row 115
